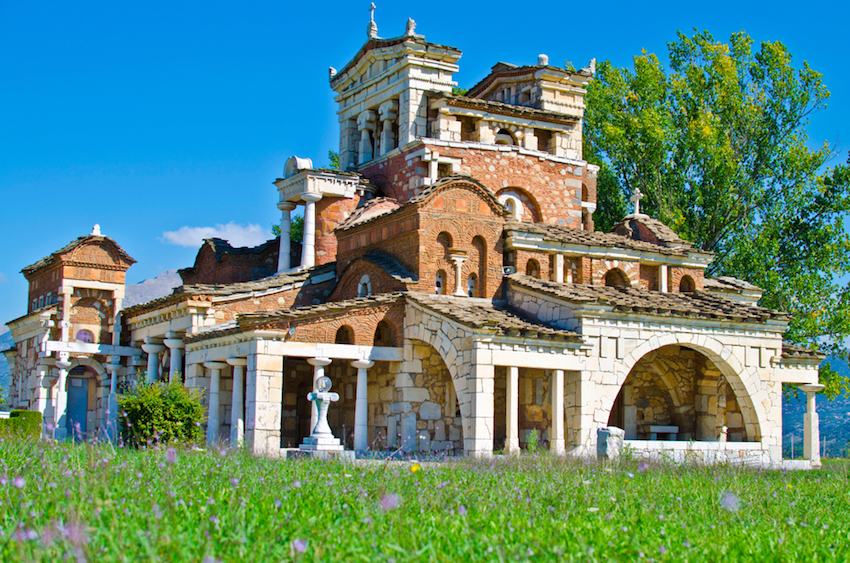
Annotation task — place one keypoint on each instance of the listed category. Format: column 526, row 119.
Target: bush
column 161, row 412
column 22, row 424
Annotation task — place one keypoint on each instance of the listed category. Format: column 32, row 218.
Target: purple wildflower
column 171, row 456
column 300, row 545
column 461, row 510
column 390, row 502
column 730, row 502
column 18, row 482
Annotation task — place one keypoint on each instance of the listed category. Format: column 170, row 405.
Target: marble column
column 662, row 278
column 175, row 356
column 153, row 349
column 388, row 114
column 512, row 414
column 213, row 418
column 366, row 124
column 811, row 425
column 556, row 431
column 60, row 407
column 318, row 371
column 237, row 405
column 458, row 260
column 361, row 406
column 285, row 230
column 308, row 247
column 111, row 418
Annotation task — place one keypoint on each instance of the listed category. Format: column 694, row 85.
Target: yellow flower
column 415, row 467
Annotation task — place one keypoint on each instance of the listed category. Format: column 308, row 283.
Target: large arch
column 745, row 383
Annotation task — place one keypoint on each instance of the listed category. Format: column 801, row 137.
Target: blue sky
column 168, row 121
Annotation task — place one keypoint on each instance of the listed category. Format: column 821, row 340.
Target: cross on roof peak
column 637, row 195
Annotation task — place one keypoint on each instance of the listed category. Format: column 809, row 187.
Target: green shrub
column 21, row 424
column 161, row 412
column 531, row 441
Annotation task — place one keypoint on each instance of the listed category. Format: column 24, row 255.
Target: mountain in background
column 147, row 290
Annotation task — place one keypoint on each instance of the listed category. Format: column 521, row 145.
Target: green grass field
column 95, row 503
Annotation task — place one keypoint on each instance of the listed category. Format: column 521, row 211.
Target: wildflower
column 642, row 467
column 631, row 475
column 730, row 502
column 592, row 509
column 662, row 549
column 296, row 484
column 18, row 482
column 300, row 545
column 461, row 510
column 234, row 481
column 277, row 503
column 171, row 456
column 390, row 502
column 415, row 467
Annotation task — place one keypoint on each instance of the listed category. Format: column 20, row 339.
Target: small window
column 440, row 283
column 364, row 287
column 616, row 278
column 505, row 137
column 687, row 285
column 85, row 336
column 471, row 285
column 532, row 268
column 49, row 299
column 41, row 301
column 34, row 304
column 383, row 334
column 444, row 169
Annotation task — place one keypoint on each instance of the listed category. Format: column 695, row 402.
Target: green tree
column 296, row 229
column 717, row 142
column 333, row 160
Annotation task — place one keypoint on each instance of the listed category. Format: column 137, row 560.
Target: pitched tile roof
column 480, row 314
column 558, row 233
column 208, row 290
column 50, row 259
column 698, row 304
column 790, row 351
column 727, row 283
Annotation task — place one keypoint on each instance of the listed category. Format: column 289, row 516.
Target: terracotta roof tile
column 790, row 351
column 48, row 260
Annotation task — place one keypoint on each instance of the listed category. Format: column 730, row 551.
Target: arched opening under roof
column 440, row 283
column 532, row 268
column 383, row 334
column 344, row 335
column 687, row 285
column 505, row 137
column 616, row 278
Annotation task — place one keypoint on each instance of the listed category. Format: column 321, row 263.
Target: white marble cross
column 637, row 195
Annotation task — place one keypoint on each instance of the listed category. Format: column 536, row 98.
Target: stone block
column 609, row 442
column 408, row 432
column 440, row 432
column 430, row 411
column 415, row 394
column 400, row 407
column 423, row 441
column 454, row 433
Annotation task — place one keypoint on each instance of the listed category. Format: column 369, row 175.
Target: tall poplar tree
column 717, row 142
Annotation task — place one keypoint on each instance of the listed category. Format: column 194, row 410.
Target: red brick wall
column 233, row 268
column 363, row 323
column 349, row 282
column 44, row 282
column 330, row 212
column 649, row 277
column 555, row 187
column 395, row 234
column 675, row 275
column 630, row 269
column 544, row 260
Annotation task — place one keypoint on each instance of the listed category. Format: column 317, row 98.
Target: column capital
column 311, row 196
column 286, row 205
column 811, row 388
column 153, row 348
column 215, row 365
column 172, row 343
column 362, row 364
column 319, row 361
column 237, row 361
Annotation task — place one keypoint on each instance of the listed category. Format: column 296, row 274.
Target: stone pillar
column 478, row 440
column 41, row 396
column 263, row 397
column 318, row 371
column 388, row 114
column 153, row 349
column 559, row 269
column 705, row 399
column 556, row 432
column 458, row 258
column 662, row 278
column 366, row 126
column 361, row 407
column 512, row 414
column 308, row 247
column 111, row 418
column 285, row 230
column 811, row 425
column 213, row 421
column 237, row 404
column 175, row 355
column 60, row 408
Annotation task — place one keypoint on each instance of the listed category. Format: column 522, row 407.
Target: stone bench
column 668, row 433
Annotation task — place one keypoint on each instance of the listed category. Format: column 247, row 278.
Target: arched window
column 85, row 336
column 440, row 283
column 687, row 285
column 364, row 287
column 445, row 240
column 532, row 268
column 344, row 335
column 472, row 285
column 383, row 334
column 616, row 278
column 505, row 137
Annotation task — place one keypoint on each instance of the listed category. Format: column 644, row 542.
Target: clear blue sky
column 147, row 117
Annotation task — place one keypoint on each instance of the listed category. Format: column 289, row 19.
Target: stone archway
column 745, row 383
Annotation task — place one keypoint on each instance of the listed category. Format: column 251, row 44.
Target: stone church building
column 451, row 284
